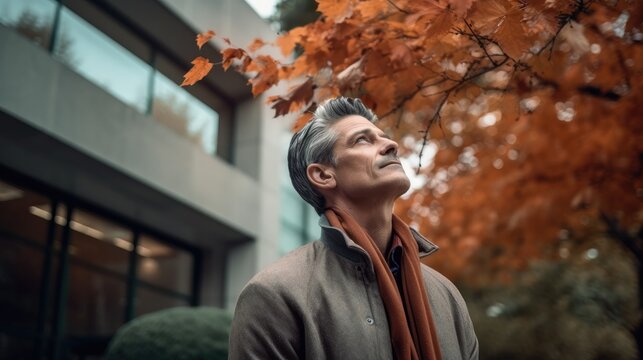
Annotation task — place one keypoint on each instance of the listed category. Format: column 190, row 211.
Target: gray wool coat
column 322, row 301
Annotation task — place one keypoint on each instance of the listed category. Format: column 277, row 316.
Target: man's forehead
column 352, row 124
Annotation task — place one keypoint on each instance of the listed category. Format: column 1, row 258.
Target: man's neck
column 376, row 220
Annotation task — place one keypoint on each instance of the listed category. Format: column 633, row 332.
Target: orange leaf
column 423, row 13
column 298, row 97
column 230, row 54
column 256, row 45
column 267, row 73
column 301, row 95
column 401, row 54
column 288, row 40
column 511, row 35
column 203, row 38
column 461, row 7
column 285, row 71
column 280, row 105
column 326, row 92
column 302, row 120
column 201, row 68
column 351, row 75
column 372, row 8
column 540, row 21
column 382, row 92
column 441, row 24
column 487, row 15
column 337, row 10
column 298, row 68
column 247, row 60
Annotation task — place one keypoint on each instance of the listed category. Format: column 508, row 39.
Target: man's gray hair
column 314, row 144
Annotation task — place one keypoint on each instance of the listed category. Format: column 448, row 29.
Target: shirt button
column 370, row 321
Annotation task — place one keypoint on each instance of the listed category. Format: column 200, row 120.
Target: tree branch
column 435, row 118
column 409, row 96
column 466, row 78
column 479, row 40
column 563, row 20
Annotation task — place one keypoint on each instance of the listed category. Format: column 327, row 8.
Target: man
column 360, row 292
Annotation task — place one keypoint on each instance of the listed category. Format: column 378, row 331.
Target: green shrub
column 177, row 333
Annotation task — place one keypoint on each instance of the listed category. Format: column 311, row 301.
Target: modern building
column 122, row 193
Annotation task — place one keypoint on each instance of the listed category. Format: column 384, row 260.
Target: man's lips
column 391, row 162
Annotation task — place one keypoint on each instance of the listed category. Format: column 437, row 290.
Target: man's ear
column 321, row 176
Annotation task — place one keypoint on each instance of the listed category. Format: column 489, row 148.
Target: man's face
column 366, row 161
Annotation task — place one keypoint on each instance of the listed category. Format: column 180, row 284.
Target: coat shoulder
column 451, row 315
column 290, row 271
column 434, row 277
column 437, row 282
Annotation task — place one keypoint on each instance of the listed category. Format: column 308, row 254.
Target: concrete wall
column 257, row 149
column 244, row 198
column 61, row 103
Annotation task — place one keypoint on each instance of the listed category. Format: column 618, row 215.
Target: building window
column 165, row 275
column 119, row 61
column 164, row 266
column 180, row 111
column 22, row 239
column 33, row 19
column 100, row 252
column 66, row 275
column 299, row 221
column 102, row 60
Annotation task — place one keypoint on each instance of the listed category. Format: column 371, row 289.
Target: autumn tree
column 293, row 13
column 522, row 117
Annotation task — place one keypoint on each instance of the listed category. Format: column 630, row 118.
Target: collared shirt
column 394, row 261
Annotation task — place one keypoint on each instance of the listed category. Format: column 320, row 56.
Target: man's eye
column 361, row 139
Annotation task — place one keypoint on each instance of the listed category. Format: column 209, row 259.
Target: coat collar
column 339, row 242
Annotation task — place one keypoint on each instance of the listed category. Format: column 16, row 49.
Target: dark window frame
column 126, row 33
column 52, row 342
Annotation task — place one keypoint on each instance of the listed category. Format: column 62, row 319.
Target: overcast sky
column 263, row 7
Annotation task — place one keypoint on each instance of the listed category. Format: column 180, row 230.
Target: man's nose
column 390, row 147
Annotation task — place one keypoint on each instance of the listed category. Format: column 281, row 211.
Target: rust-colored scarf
column 413, row 334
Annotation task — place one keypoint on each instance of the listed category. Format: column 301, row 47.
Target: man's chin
column 400, row 185
column 404, row 187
